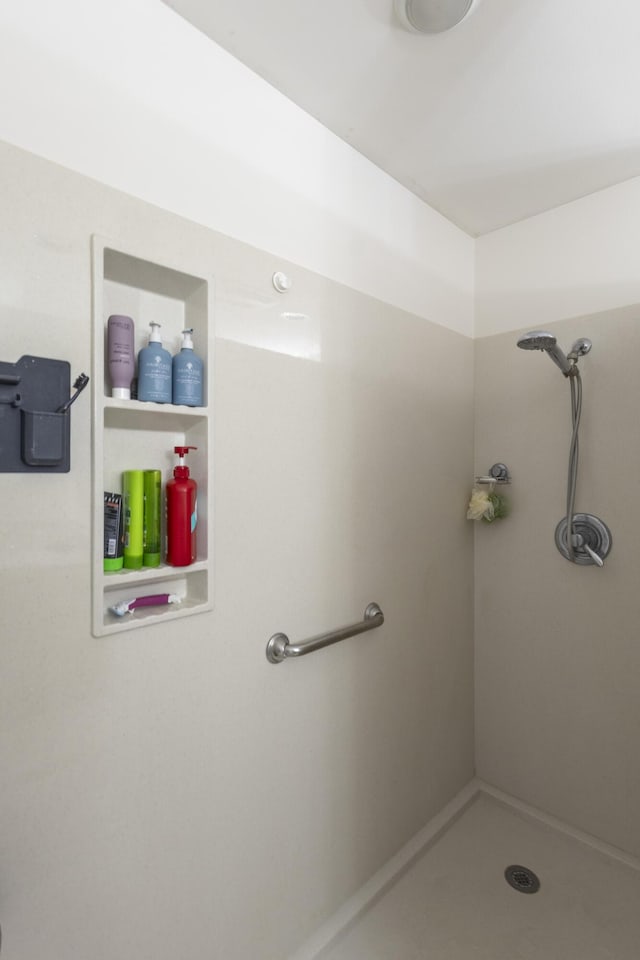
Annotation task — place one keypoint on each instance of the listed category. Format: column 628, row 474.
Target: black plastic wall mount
column 34, row 434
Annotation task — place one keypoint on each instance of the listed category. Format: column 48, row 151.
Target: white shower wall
column 167, row 792
column 172, row 794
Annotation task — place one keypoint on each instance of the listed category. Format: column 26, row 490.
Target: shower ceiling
column 525, row 105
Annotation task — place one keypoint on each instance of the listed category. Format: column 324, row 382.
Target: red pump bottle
column 182, row 513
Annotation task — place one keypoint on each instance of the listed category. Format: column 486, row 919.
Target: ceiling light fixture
column 432, row 16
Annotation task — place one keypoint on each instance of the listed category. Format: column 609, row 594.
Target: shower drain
column 522, row 879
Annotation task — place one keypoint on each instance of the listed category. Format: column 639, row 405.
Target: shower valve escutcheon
column 590, row 538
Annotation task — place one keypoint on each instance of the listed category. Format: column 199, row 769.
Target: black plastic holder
column 34, row 433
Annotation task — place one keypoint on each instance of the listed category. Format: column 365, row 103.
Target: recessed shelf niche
column 130, row 435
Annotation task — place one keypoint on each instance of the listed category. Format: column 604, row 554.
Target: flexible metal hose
column 576, row 411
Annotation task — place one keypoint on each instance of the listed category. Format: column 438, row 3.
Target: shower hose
column 576, row 411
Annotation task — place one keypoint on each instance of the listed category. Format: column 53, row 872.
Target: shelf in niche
column 143, row 617
column 189, row 583
column 140, row 406
column 152, row 416
column 117, row 578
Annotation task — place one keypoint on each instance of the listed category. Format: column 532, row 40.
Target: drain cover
column 522, row 879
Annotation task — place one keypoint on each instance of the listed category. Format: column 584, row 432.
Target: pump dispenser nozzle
column 154, row 336
column 182, row 452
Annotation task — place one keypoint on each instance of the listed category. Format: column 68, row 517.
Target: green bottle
column 133, row 495
column 151, row 524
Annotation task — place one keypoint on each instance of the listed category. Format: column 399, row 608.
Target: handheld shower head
column 541, row 340
column 537, row 340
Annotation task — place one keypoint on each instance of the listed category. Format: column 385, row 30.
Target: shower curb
column 326, row 935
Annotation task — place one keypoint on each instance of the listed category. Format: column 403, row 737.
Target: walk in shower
column 539, row 858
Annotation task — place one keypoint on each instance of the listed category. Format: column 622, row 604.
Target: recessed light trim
column 432, row 16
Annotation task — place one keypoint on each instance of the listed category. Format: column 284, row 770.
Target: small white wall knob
column 281, row 282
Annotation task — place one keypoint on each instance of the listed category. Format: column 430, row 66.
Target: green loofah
column 500, row 507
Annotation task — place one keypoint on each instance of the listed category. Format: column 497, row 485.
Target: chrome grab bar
column 279, row 648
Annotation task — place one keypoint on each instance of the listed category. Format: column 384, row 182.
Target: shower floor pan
column 452, row 902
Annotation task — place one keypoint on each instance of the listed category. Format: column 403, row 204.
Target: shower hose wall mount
column 591, row 539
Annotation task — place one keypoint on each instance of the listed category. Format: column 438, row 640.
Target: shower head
column 541, row 340
column 537, row 340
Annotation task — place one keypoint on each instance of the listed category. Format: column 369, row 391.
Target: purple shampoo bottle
column 121, row 355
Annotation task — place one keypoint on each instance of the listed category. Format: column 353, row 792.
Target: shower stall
column 557, row 657
column 556, row 671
